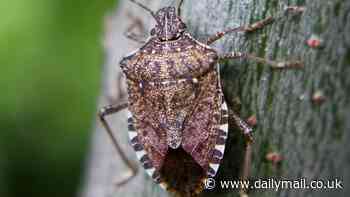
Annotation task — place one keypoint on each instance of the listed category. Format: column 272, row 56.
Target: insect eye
column 182, row 26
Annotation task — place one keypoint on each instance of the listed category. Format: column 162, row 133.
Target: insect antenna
column 144, row 7
column 179, row 8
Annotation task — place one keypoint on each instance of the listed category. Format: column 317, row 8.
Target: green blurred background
column 51, row 57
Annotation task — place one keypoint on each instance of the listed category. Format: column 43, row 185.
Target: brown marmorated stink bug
column 178, row 118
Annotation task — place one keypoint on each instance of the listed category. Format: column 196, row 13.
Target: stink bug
column 178, row 118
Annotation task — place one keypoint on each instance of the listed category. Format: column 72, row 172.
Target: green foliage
column 51, row 57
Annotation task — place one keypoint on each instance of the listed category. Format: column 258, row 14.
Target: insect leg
column 273, row 64
column 247, row 132
column 246, row 166
column 252, row 27
column 136, row 23
column 242, row 125
column 118, row 92
column 108, row 110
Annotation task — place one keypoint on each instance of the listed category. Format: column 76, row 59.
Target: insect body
column 178, row 118
column 178, row 115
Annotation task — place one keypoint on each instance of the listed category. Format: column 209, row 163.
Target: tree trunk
column 309, row 135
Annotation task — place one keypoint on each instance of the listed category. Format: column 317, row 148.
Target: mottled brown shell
column 175, row 100
column 159, row 61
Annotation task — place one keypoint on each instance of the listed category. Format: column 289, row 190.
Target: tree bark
column 310, row 137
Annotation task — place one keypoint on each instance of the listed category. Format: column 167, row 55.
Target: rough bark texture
column 310, row 137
